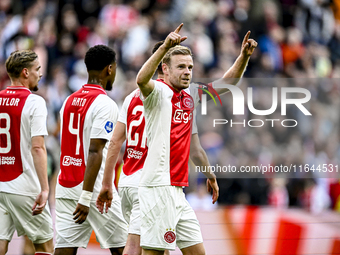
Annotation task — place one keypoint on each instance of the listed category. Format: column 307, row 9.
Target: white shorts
column 16, row 214
column 110, row 228
column 130, row 207
column 167, row 219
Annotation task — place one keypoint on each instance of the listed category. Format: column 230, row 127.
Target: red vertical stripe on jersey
column 180, row 136
column 72, row 163
column 136, row 149
column 12, row 102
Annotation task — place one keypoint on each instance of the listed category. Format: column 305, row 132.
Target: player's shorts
column 16, row 214
column 110, row 228
column 167, row 219
column 130, row 207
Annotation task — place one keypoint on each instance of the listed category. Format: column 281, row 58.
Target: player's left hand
column 39, row 203
column 248, row 45
column 105, row 197
column 212, row 185
column 81, row 213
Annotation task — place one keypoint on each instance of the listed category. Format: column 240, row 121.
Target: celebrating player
column 88, row 118
column 23, row 158
column 166, row 217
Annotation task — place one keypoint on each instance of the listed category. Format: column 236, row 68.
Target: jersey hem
column 186, row 184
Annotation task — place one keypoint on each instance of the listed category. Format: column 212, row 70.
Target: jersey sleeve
column 39, row 117
column 105, row 118
column 155, row 97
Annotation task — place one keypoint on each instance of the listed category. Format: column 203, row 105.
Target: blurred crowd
column 299, row 45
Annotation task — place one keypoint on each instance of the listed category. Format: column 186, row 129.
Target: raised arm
column 105, row 196
column 199, row 157
column 94, row 162
column 235, row 72
column 39, row 155
column 145, row 74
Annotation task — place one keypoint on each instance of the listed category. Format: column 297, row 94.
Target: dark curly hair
column 98, row 57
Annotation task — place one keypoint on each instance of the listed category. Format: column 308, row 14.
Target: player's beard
column 34, row 88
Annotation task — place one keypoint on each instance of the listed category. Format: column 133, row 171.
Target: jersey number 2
column 136, row 123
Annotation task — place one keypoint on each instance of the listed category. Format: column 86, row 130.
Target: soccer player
column 88, row 118
column 166, row 217
column 23, row 159
column 131, row 126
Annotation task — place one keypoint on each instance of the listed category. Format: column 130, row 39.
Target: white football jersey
column 87, row 114
column 168, row 118
column 22, row 116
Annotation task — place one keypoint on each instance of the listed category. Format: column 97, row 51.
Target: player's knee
column 197, row 249
column 3, row 250
column 132, row 247
column 46, row 247
column 66, row 251
column 3, row 247
column 117, row 251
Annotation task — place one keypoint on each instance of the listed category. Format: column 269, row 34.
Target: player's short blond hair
column 18, row 60
column 177, row 50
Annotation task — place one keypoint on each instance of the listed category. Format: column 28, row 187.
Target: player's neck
column 18, row 83
column 96, row 80
column 174, row 88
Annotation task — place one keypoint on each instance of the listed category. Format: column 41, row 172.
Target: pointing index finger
column 178, row 28
column 246, row 37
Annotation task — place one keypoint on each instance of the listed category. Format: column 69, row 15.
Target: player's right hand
column 105, row 197
column 39, row 203
column 212, row 185
column 174, row 38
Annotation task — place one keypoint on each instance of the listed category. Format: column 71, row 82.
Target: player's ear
column 25, row 72
column 165, row 68
column 109, row 69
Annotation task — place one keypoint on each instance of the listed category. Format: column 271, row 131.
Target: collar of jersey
column 94, row 86
column 18, row 87
column 175, row 92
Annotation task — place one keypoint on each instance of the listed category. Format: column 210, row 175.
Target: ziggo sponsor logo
column 181, row 116
column 70, row 161
column 134, row 154
column 7, row 160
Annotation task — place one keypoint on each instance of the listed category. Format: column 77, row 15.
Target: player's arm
column 94, row 162
column 145, row 74
column 116, row 142
column 235, row 72
column 39, row 155
column 199, row 157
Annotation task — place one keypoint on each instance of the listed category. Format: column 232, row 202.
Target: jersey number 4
column 75, row 131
